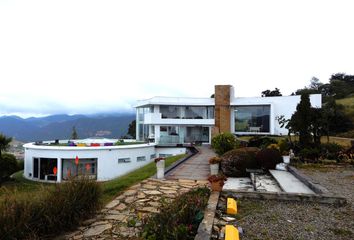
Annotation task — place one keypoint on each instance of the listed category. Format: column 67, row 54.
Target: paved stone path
column 195, row 168
column 122, row 218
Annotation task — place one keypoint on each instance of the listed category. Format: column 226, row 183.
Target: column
column 59, row 170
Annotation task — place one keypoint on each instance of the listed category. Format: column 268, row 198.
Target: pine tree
column 74, row 133
column 301, row 120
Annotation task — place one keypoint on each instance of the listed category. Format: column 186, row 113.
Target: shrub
column 268, row 158
column 223, row 142
column 48, row 212
column 274, row 146
column 331, row 151
column 8, row 165
column 284, row 146
column 309, row 154
column 235, row 162
column 178, row 220
column 214, row 160
column 261, row 142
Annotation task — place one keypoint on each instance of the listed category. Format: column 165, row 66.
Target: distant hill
column 60, row 126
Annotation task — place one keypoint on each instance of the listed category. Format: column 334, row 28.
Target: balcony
column 156, row 119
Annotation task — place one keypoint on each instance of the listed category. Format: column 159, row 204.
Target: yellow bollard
column 231, row 206
column 231, row 233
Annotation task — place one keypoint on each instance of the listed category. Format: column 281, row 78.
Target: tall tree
column 4, row 143
column 132, row 129
column 74, row 133
column 271, row 93
column 300, row 121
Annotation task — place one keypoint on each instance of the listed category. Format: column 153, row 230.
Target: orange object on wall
column 77, row 160
column 55, row 170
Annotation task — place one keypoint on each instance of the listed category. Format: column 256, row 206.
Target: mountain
column 60, row 126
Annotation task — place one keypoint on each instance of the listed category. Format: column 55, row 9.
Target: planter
column 286, row 159
column 214, row 169
column 217, row 185
column 160, row 165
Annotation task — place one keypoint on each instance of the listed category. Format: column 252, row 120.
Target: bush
column 284, row 146
column 48, row 212
column 223, row 142
column 235, row 162
column 8, row 165
column 261, row 142
column 331, row 151
column 309, row 154
column 214, row 160
column 268, row 158
column 178, row 220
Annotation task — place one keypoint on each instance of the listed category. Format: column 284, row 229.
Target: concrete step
column 289, row 183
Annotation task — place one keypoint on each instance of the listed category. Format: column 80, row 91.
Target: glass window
column 252, row 118
column 152, row 156
column 85, row 167
column 170, row 112
column 124, row 160
column 141, row 158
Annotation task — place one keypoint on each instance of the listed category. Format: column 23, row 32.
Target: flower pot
column 286, row 159
column 160, row 165
column 214, row 169
column 217, row 186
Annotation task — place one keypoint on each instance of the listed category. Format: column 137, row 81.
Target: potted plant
column 217, row 182
column 160, row 165
column 214, row 165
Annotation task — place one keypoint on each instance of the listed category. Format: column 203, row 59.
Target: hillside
column 60, row 126
column 348, row 104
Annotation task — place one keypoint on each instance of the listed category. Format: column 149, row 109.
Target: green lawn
column 110, row 188
column 114, row 187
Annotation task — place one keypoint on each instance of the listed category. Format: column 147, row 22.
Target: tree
column 8, row 165
column 132, row 129
column 300, row 121
column 4, row 143
column 273, row 93
column 74, row 134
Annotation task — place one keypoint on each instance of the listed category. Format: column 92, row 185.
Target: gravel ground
column 294, row 220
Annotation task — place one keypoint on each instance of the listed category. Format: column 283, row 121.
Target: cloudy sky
column 100, row 56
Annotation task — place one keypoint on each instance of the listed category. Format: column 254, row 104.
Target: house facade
column 174, row 120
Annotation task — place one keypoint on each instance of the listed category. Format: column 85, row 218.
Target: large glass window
column 187, row 112
column 170, row 112
column 86, row 167
column 252, row 118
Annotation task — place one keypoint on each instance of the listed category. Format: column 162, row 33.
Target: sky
column 101, row 56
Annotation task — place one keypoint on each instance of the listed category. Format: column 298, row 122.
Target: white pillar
column 59, row 169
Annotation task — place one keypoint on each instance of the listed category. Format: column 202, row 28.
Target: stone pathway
column 122, row 218
column 195, row 168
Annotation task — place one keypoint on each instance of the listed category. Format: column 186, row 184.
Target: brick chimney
column 223, row 94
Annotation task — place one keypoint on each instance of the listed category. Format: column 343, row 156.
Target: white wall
column 170, row 150
column 107, row 157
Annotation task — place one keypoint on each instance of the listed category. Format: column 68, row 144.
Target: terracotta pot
column 217, row 186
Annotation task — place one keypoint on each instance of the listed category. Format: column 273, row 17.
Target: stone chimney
column 223, row 94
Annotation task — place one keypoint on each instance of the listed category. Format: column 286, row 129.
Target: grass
column 114, row 187
column 21, row 185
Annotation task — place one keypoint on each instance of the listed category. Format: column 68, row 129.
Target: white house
column 174, row 120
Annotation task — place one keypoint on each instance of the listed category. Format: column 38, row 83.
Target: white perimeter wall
column 170, row 150
column 107, row 157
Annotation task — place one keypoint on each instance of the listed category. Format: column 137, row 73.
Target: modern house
column 163, row 121
column 174, row 120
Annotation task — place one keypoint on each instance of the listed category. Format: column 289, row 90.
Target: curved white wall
column 107, row 157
